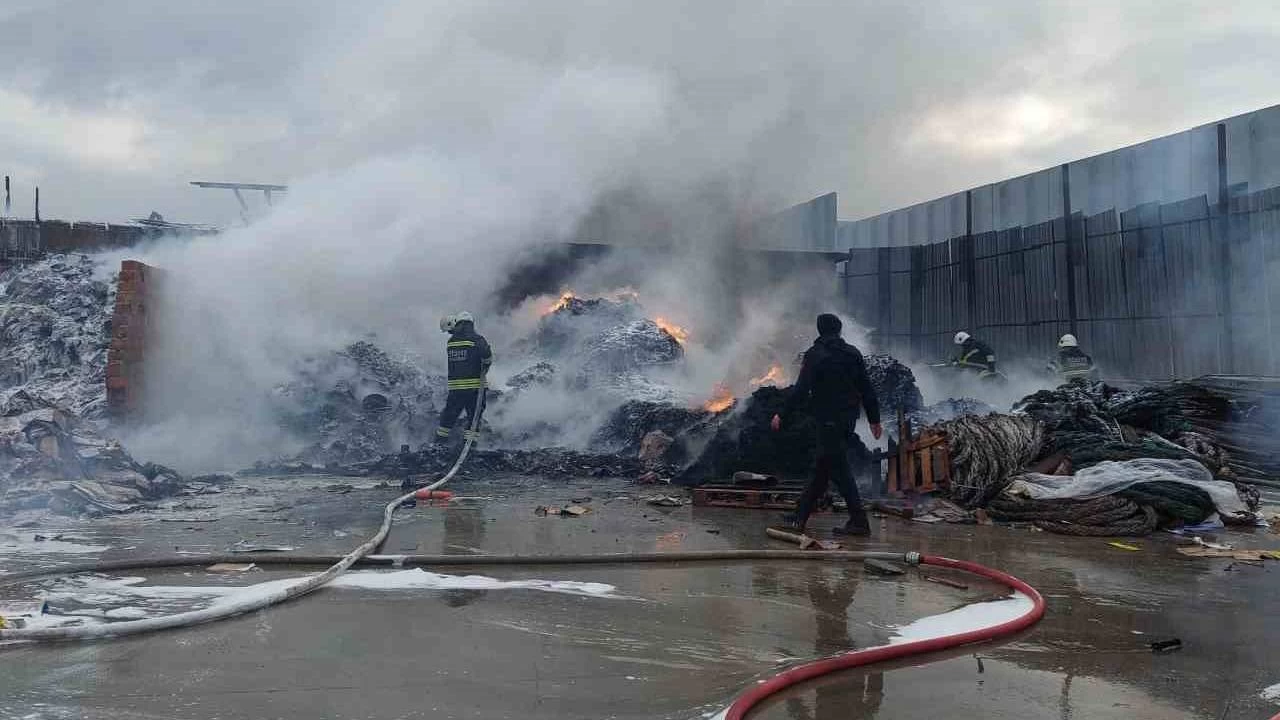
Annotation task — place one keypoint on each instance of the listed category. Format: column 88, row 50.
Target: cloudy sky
column 113, row 107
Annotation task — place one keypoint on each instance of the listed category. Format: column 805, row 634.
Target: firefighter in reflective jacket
column 973, row 354
column 1071, row 363
column 469, row 360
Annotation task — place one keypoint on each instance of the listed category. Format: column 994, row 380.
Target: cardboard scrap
column 230, row 567
column 665, row 501
column 1199, row 551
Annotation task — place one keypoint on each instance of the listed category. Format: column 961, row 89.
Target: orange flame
column 721, row 399
column 680, row 334
column 773, row 377
column 560, row 304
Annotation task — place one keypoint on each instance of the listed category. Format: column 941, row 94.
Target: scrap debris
column 566, row 511
column 804, row 541
column 1198, row 551
column 665, row 501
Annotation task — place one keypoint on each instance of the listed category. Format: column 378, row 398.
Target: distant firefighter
column 1071, row 363
column 973, row 354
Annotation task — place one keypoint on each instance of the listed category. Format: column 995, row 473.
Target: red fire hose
column 740, row 707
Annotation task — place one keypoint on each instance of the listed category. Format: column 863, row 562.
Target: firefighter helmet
column 1068, row 340
column 962, row 337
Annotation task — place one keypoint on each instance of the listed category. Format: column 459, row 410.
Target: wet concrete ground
column 670, row 642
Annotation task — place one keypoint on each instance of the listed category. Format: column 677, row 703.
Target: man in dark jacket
column 469, row 359
column 833, row 383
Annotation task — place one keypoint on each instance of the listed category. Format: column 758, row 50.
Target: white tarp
column 1107, row 478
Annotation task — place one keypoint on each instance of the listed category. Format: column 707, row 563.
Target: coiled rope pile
column 987, row 451
column 1105, row 516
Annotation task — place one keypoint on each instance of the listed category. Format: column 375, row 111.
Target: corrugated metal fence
column 19, row 242
column 1157, row 291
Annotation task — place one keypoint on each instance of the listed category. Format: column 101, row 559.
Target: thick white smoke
column 384, row 248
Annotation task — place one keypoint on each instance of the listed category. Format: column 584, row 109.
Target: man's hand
column 776, row 423
column 876, row 430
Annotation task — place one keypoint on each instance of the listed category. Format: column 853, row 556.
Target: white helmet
column 1068, row 340
column 962, row 337
column 449, row 322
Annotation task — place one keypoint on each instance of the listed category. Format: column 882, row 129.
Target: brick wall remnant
column 126, row 354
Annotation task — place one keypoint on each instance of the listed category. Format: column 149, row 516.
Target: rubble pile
column 356, row 404
column 55, row 327
column 55, row 330
column 51, row 458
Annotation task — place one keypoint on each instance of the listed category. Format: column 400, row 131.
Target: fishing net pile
column 1087, row 458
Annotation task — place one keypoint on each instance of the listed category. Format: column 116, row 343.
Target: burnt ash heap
column 55, row 328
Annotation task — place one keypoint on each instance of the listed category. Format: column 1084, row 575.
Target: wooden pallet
column 917, row 464
column 780, row 497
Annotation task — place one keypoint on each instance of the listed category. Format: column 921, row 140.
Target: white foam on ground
column 970, row 617
column 11, row 544
column 96, row 590
column 418, row 579
column 1271, row 693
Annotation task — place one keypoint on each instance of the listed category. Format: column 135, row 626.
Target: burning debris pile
column 744, row 441
column 356, row 404
column 1091, row 459
column 605, row 342
column 55, row 327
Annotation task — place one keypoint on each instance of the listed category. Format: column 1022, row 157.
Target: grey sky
column 112, row 107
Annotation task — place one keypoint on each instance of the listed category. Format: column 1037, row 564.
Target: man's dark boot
column 856, row 527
